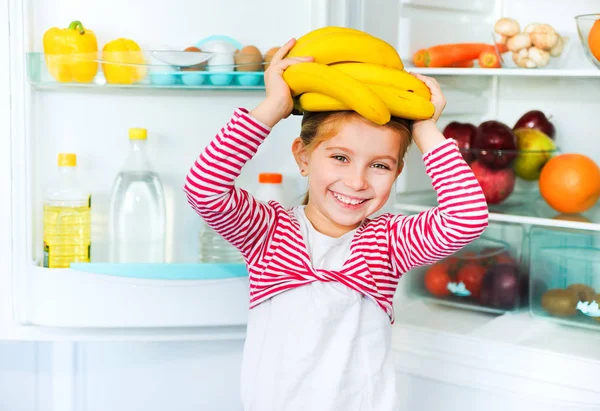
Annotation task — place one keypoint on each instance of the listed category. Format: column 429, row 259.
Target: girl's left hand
column 437, row 97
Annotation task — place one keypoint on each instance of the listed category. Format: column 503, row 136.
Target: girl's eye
column 381, row 166
column 343, row 159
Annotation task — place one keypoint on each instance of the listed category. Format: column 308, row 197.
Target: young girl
column 323, row 275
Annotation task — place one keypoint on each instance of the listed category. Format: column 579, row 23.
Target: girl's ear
column 300, row 155
column 400, row 167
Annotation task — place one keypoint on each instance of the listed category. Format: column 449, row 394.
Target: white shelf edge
column 513, row 218
column 463, row 358
column 506, row 72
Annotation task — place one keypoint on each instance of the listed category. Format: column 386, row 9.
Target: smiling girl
column 323, row 275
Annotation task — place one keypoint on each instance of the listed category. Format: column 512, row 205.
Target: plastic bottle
column 137, row 215
column 67, row 218
column 215, row 249
column 270, row 188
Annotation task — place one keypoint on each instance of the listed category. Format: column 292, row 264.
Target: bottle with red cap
column 270, row 188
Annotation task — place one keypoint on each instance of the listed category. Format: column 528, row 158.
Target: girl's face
column 350, row 175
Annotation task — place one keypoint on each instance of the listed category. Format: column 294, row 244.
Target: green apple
column 534, row 150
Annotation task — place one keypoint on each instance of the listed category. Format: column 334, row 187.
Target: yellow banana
column 320, row 78
column 404, row 104
column 337, row 47
column 312, row 35
column 400, row 103
column 320, row 102
column 385, row 76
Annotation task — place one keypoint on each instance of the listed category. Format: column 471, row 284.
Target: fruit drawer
column 565, row 276
column 486, row 275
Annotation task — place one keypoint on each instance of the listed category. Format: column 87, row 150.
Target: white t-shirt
column 319, row 347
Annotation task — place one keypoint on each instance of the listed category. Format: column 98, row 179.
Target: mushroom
column 502, row 39
column 558, row 48
column 521, row 59
column 518, row 42
column 538, row 56
column 544, row 37
column 530, row 27
column 507, row 27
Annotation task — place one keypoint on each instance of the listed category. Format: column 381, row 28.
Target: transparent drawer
column 565, row 276
column 488, row 275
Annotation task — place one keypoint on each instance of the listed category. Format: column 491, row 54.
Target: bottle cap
column 67, row 160
column 138, row 133
column 270, row 178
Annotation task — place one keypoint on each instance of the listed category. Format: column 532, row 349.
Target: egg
column 198, row 67
column 269, row 56
column 248, row 59
column 222, row 60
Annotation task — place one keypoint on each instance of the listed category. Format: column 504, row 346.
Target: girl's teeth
column 347, row 200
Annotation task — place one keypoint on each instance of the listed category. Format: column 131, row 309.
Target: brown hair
column 320, row 126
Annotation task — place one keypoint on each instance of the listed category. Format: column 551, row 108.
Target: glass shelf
column 188, row 271
column 521, row 207
column 153, row 73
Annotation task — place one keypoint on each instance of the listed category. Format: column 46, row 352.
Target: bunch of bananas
column 353, row 70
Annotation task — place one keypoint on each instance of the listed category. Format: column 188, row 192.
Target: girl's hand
column 426, row 135
column 437, row 97
column 279, row 103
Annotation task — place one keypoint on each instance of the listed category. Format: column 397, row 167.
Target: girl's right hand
column 279, row 103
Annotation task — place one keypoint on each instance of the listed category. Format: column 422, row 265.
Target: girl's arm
column 233, row 212
column 209, row 186
column 461, row 215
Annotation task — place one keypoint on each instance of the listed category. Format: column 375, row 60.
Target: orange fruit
column 594, row 39
column 570, row 183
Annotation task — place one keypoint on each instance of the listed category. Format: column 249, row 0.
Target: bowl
column 584, row 26
column 502, row 172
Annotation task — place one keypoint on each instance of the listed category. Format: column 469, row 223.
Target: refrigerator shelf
column 71, row 298
column 521, row 207
column 167, row 272
column 507, row 72
column 149, row 75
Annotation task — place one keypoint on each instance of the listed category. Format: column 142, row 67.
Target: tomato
column 471, row 275
column 437, row 279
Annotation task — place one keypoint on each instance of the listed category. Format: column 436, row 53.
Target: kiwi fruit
column 560, row 302
column 582, row 292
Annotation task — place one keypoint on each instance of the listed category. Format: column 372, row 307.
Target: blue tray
column 188, row 271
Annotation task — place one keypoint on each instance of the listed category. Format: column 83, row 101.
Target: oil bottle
column 67, row 217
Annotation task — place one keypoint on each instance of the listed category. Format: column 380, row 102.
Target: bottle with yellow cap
column 137, row 211
column 67, row 217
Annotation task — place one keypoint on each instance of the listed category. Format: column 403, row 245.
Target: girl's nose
column 357, row 180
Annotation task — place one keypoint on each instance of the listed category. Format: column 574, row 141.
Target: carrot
column 418, row 58
column 463, row 64
column 444, row 55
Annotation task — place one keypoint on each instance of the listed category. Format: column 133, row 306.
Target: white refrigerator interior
column 79, row 340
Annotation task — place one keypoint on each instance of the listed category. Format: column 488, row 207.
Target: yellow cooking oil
column 67, row 218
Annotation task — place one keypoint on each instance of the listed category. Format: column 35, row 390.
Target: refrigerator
column 171, row 336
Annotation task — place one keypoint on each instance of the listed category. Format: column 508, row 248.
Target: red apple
column 496, row 144
column 463, row 133
column 497, row 185
column 537, row 120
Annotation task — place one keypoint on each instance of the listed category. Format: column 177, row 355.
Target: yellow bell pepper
column 71, row 54
column 123, row 62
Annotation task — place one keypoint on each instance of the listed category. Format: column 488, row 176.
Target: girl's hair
column 320, row 126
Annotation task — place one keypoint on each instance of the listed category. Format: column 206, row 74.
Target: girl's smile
column 350, row 174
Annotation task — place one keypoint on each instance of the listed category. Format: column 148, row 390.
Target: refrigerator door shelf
column 101, row 298
column 154, row 73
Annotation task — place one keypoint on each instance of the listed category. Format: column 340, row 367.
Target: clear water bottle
column 137, row 215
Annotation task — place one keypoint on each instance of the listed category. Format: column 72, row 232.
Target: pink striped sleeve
column 460, row 217
column 209, row 185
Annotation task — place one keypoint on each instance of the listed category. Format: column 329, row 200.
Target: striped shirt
column 383, row 248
